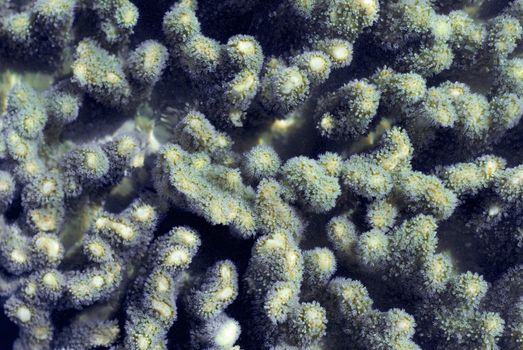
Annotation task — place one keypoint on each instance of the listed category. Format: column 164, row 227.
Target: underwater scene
column 261, row 174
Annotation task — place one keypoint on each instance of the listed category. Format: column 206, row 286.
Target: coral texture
column 261, row 174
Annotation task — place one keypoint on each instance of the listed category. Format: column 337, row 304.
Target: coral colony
column 257, row 174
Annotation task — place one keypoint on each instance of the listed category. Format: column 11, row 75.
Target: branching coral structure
column 261, row 174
